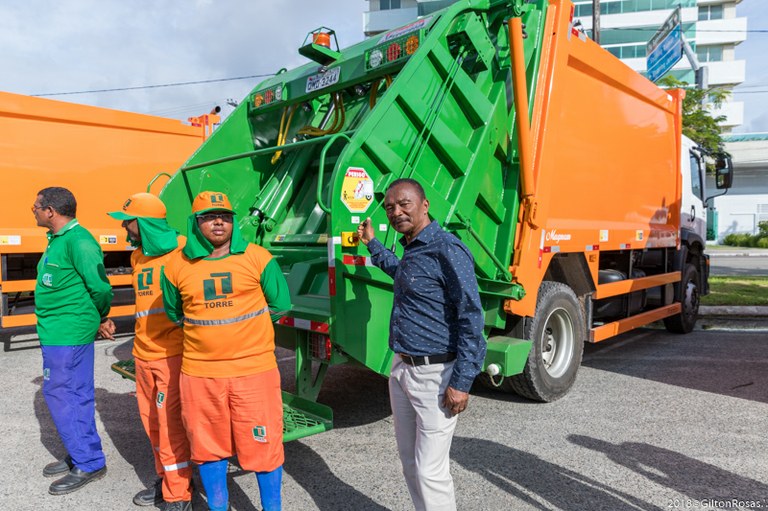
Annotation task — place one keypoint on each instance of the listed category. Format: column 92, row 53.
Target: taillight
column 320, row 346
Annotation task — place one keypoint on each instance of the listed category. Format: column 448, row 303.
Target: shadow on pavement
column 48, row 435
column 540, row 484
column 729, row 363
column 120, row 418
column 311, row 472
column 691, row 477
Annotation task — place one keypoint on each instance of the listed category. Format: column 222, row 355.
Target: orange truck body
column 101, row 155
column 606, row 158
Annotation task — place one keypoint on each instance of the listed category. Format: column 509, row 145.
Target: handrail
column 259, row 152
column 149, row 186
column 321, row 169
column 501, row 267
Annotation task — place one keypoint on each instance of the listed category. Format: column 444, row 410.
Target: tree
column 698, row 122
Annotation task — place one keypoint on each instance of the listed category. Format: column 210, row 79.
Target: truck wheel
column 557, row 331
column 689, row 296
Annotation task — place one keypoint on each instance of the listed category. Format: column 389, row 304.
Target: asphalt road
column 655, row 421
column 738, row 265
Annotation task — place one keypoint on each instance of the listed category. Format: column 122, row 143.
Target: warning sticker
column 108, row 240
column 357, row 190
column 10, row 240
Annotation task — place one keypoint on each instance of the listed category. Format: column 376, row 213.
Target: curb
column 727, row 310
column 737, row 254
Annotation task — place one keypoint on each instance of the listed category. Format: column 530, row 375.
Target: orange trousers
column 158, row 396
column 228, row 416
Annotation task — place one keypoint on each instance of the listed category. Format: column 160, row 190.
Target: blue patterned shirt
column 437, row 306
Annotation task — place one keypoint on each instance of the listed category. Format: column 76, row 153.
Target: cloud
column 88, row 44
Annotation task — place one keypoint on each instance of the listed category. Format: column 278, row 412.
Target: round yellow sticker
column 357, row 190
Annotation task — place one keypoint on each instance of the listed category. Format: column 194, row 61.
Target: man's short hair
column 60, row 200
column 411, row 182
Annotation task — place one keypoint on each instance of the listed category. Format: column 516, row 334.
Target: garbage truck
column 101, row 155
column 563, row 170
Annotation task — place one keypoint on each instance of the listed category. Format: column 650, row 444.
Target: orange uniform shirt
column 156, row 336
column 228, row 331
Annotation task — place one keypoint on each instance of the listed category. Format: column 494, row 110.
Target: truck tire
column 689, row 296
column 557, row 332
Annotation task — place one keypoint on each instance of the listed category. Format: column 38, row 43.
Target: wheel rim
column 691, row 301
column 557, row 343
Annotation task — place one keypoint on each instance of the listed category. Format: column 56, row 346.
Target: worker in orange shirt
column 227, row 293
column 157, row 349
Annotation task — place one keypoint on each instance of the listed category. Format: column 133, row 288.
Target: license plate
column 323, row 80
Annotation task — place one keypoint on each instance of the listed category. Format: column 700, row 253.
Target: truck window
column 696, row 187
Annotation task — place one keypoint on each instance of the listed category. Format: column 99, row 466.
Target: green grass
column 737, row 291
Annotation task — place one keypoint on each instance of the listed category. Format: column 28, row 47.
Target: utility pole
column 596, row 21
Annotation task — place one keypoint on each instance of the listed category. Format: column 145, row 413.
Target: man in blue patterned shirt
column 436, row 331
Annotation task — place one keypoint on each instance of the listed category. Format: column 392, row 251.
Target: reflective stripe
column 147, row 312
column 177, row 466
column 215, row 322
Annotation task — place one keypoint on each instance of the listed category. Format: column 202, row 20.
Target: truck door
column 694, row 213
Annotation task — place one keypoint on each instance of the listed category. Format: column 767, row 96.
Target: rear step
column 301, row 417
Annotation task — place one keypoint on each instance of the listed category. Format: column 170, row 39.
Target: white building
column 746, row 204
column 711, row 26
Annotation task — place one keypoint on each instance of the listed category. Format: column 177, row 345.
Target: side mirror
column 723, row 171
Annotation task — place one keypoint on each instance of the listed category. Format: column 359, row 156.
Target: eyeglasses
column 210, row 217
column 35, row 208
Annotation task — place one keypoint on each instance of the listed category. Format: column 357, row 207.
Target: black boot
column 75, row 480
column 150, row 496
column 58, row 467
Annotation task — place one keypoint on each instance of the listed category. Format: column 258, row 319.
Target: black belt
column 431, row 359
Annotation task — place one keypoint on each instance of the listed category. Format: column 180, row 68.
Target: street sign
column 665, row 48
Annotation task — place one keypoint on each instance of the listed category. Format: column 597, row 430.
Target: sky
column 81, row 45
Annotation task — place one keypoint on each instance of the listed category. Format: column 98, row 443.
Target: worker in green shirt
column 72, row 298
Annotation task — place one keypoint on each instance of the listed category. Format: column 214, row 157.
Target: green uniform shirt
column 72, row 293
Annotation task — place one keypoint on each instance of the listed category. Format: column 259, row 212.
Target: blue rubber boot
column 214, row 477
column 270, row 484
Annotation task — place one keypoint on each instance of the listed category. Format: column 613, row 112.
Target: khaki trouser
column 424, row 431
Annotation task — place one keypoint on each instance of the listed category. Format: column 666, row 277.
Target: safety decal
column 639, row 235
column 160, row 399
column 603, row 235
column 357, row 190
column 108, row 239
column 10, row 240
column 260, row 433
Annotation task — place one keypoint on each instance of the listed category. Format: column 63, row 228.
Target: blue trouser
column 214, row 477
column 68, row 391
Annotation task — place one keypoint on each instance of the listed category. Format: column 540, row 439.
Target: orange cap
column 140, row 205
column 211, row 201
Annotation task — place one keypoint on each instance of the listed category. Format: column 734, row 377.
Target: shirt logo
column 222, row 281
column 160, row 399
column 260, row 434
column 47, row 280
column 145, row 278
